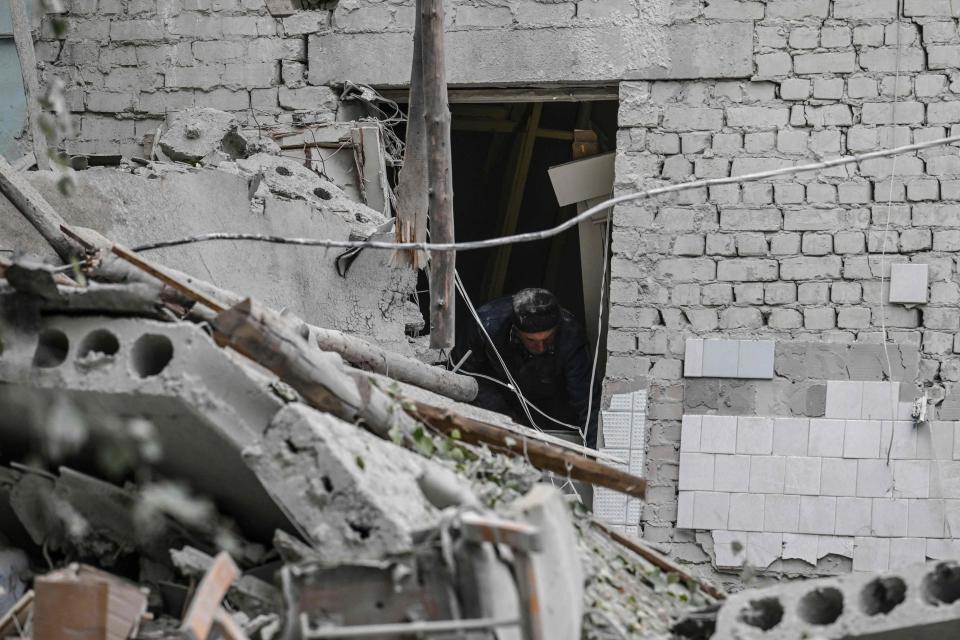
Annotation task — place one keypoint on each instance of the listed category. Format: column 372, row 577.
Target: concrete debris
column 195, row 134
column 14, row 572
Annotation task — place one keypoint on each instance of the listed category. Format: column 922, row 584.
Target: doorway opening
column 501, row 154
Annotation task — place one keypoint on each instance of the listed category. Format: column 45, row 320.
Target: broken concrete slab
column 194, row 134
column 360, row 502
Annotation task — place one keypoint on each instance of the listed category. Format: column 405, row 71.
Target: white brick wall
column 823, row 486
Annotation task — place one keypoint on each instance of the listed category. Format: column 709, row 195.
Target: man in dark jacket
column 545, row 350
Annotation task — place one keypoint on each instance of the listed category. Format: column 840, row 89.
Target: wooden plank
column 659, row 561
column 485, row 95
column 68, row 608
column 23, row 36
column 126, row 603
column 205, row 604
column 45, row 219
column 412, row 185
column 16, row 618
column 515, row 200
column 540, row 455
column 166, row 278
column 440, row 175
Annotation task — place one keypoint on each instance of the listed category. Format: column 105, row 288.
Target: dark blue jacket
column 557, row 381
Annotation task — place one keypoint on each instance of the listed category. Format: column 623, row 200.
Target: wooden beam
column 440, row 172
column 23, row 37
column 412, row 185
column 205, row 605
column 44, row 218
column 515, row 201
column 540, row 455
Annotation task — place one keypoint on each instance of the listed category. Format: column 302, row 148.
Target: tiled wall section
column 622, row 428
column 863, row 482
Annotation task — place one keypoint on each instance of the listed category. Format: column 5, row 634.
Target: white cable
column 530, row 404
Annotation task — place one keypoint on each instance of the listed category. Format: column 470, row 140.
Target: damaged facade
column 782, row 356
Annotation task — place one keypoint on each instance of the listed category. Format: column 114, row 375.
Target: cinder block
column 781, row 513
column 690, row 434
column 746, row 512
column 755, row 435
column 844, row 399
column 616, row 429
column 790, row 436
column 889, row 517
column 908, row 283
column 874, row 479
column 718, row 434
column 927, row 518
column 826, row 438
column 911, row 478
column 861, row 439
column 729, row 548
column 763, row 548
column 767, row 474
column 732, row 473
column 934, row 440
column 854, row 516
column 721, row 358
column 685, row 510
column 802, row 476
column 880, row 400
column 900, row 439
column 871, row 554
column 693, row 358
column 838, row 477
column 905, row 552
column 755, row 359
column 710, row 510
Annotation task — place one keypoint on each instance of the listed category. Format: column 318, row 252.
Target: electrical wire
column 532, row 236
column 503, row 384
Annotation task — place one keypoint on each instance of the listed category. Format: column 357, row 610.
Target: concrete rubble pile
column 167, row 469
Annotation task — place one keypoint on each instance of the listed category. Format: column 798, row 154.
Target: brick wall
column 797, row 260
column 127, row 63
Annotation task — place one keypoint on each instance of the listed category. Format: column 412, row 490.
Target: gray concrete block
column 721, row 358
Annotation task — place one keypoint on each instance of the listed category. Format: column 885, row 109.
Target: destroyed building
column 780, row 356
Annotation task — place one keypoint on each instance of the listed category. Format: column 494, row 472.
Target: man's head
column 536, row 315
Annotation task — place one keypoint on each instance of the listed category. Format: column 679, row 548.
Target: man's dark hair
column 535, row 310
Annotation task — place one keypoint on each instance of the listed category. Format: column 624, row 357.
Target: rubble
column 195, row 134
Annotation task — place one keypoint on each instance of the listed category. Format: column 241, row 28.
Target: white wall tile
column 710, row 510
column 854, row 516
column 889, row 517
column 732, row 473
column 874, row 479
column 756, row 359
column 636, row 462
column 634, row 509
column 943, row 549
column 818, row 514
column 746, row 511
column 720, row 358
column 952, row 516
column 944, row 479
column 684, row 510
column 696, row 471
column 837, row 545
column 640, row 401
column 908, row 283
column 911, row 478
column 802, row 476
column 718, row 434
column 781, row 513
column 690, row 433
column 767, row 474
column 838, row 477
column 905, row 552
column 693, row 358
column 871, row 554
column 935, row 440
column 763, row 548
column 800, row 546
column 754, row 435
column 826, row 438
column 609, row 506
column 638, row 432
column 790, row 436
column 905, row 411
column 861, row 439
column 729, row 548
column 616, row 427
column 880, row 400
column 844, row 399
column 900, row 438
column 926, row 518
column 621, row 402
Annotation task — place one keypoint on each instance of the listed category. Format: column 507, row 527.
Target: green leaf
column 361, row 463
